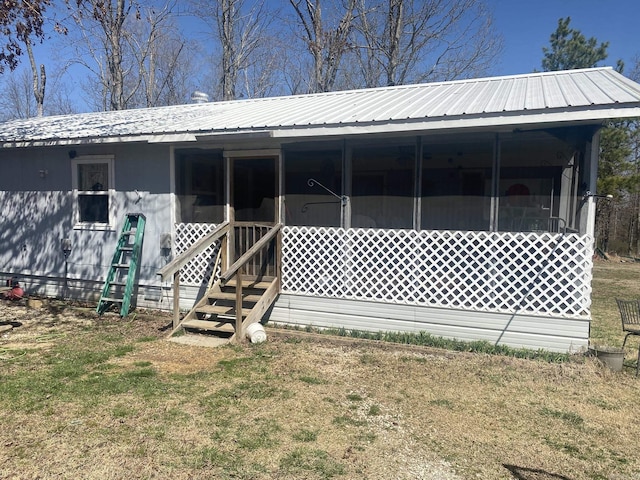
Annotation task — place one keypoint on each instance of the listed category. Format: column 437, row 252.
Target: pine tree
column 570, row 49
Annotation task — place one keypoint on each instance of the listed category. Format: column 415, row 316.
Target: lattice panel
column 506, row 272
column 198, row 270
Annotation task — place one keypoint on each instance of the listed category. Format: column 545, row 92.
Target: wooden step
column 221, row 310
column 261, row 284
column 232, row 296
column 208, row 325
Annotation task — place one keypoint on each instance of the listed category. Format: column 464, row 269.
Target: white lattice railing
column 198, row 270
column 540, row 273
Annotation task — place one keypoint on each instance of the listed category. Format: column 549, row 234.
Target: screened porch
column 481, row 222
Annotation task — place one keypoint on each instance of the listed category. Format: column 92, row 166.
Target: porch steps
column 215, row 313
column 120, row 283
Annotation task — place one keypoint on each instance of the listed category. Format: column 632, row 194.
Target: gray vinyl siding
column 514, row 330
column 38, row 214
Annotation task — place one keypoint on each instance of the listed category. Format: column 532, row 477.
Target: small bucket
column 611, row 357
column 256, row 333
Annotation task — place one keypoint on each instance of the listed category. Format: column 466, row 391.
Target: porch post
column 417, row 185
column 231, row 216
column 495, row 185
column 345, row 221
column 176, row 299
column 588, row 210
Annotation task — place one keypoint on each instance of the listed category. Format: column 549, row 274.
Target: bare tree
column 240, row 28
column 160, row 53
column 326, row 38
column 39, row 79
column 16, row 96
column 133, row 53
column 17, row 99
column 100, row 25
column 407, row 41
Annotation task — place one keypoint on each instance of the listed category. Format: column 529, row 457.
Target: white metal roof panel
column 566, row 96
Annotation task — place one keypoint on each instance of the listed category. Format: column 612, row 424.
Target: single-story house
column 465, row 209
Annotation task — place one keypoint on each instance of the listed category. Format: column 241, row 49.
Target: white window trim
column 88, row 159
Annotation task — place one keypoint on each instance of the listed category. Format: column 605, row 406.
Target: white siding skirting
column 514, row 330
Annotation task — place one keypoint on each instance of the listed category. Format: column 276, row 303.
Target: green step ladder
column 121, row 279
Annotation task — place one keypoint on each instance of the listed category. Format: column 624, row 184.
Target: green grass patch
column 427, row 340
column 123, row 411
column 347, row 421
column 302, row 460
column 313, row 380
column 142, row 364
column 263, row 435
column 305, row 435
column 564, row 447
column 74, row 370
column 148, row 338
column 568, row 417
column 208, row 457
column 374, row 410
column 441, row 402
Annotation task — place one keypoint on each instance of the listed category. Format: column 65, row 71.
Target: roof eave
column 498, row 121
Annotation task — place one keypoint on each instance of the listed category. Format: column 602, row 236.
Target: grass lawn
column 105, row 398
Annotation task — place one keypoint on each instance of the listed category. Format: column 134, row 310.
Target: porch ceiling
column 565, row 97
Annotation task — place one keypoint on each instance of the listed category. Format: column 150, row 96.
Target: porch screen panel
column 199, row 186
column 382, row 187
column 529, row 183
column 307, row 203
column 456, row 184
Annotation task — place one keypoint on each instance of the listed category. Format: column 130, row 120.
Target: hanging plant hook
column 312, row 182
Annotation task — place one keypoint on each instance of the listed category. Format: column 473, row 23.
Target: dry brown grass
column 297, row 408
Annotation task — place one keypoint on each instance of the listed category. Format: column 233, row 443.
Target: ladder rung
column 111, row 299
column 120, row 265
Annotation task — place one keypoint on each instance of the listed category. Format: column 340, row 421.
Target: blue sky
column 526, row 26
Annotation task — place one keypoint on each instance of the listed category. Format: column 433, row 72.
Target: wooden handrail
column 233, row 269
column 194, row 250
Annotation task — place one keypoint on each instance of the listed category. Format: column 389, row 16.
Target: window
column 92, row 179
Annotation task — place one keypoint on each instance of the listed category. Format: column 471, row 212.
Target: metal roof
column 589, row 95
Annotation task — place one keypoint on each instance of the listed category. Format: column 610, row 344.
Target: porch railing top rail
column 193, row 251
column 249, row 254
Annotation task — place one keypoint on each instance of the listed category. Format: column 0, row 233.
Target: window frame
column 109, row 193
